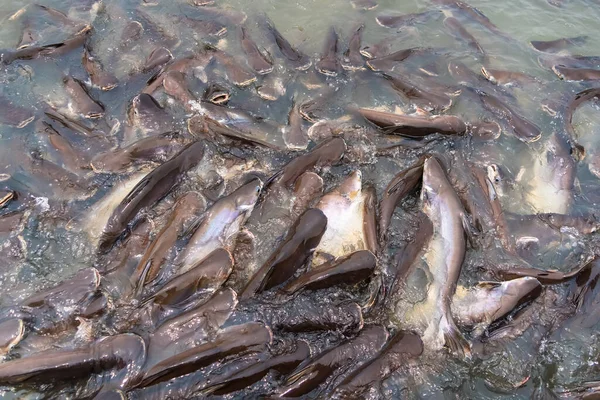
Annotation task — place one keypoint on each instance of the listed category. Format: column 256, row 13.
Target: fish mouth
column 26, row 122
column 246, row 82
column 94, row 115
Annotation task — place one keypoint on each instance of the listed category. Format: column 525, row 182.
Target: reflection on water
column 73, row 146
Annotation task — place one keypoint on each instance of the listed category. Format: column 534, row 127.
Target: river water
column 552, row 354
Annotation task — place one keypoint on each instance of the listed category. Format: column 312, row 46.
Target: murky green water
column 550, row 356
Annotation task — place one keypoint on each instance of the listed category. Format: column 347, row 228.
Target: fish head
column 434, row 179
column 351, row 187
column 511, row 294
column 144, row 105
column 247, row 195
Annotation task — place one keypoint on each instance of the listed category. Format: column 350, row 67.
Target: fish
column 572, row 106
column 236, row 73
column 132, row 32
column 499, row 77
column 208, row 274
column 157, row 58
column 581, row 224
column 457, row 30
column 217, row 94
column 292, row 253
column 6, row 197
column 377, row 50
column 14, row 115
column 352, row 59
column 414, row 126
column 294, row 135
column 125, row 352
column 150, row 266
column 12, row 331
column 311, row 374
column 220, row 224
column 402, row 184
column 227, row 16
column 148, row 115
column 444, row 257
column 427, row 100
column 388, row 62
column 71, row 124
column 249, row 337
column 545, row 277
column 402, row 347
column 194, row 324
column 365, row 5
column 99, row 77
column 81, row 101
column 61, row 183
column 576, row 74
column 556, row 45
column 256, row 60
column 523, row 129
column 272, row 87
column 175, row 85
column 329, row 64
column 283, row 363
column 475, row 14
column 550, row 188
column 312, row 109
column 157, row 148
column 349, row 270
column 296, row 58
column 72, row 159
column 478, row 307
column 205, row 27
column 399, row 21
column 28, row 36
column 348, row 220
column 308, row 187
column 487, row 130
column 151, row 189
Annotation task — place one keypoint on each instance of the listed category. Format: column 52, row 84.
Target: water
column 550, row 354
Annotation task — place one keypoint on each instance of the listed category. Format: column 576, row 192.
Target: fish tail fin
column 454, row 339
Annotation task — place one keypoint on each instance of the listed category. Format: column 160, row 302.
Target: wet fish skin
column 98, row 75
column 308, row 187
column 72, row 160
column 329, row 64
column 145, row 112
column 157, row 58
column 219, row 225
column 260, row 63
column 299, row 60
column 175, row 85
column 124, row 351
column 81, row 99
column 576, row 74
column 364, row 5
column 582, row 224
column 499, row 77
column 556, row 45
column 414, row 126
column 310, row 375
column 487, row 302
column 459, row 31
column 402, row 347
column 349, row 270
column 388, row 62
column 443, row 208
column 402, row 184
column 12, row 331
column 156, row 185
column 236, row 73
column 209, row 273
column 352, row 59
column 187, row 207
column 217, row 94
column 237, row 339
column 572, row 106
column 525, row 130
column 283, row 363
column 292, row 253
column 398, row 21
column 428, row 100
column 14, row 115
column 294, row 135
column 546, row 277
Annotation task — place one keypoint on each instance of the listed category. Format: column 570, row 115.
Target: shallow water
column 549, row 357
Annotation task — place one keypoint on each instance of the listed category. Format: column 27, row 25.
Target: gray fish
column 378, row 49
column 389, row 61
column 403, row 183
column 14, row 115
column 176, row 86
column 260, row 63
column 523, row 129
column 310, row 375
column 576, row 74
column 545, row 277
column 217, row 94
column 399, row 21
column 329, row 64
column 554, row 46
column 208, row 274
column 426, row 99
column 146, row 114
column 349, row 270
column 283, row 363
column 72, row 160
column 238, row 75
column 581, row 224
column 352, row 59
column 12, row 331
column 487, row 130
column 196, row 62
column 220, row 224
column 149, row 268
column 444, row 257
column 414, row 126
column 157, row 58
column 206, row 27
column 131, row 33
column 480, row 306
column 572, row 106
column 500, row 77
column 125, row 352
column 81, row 101
column 236, row 339
column 364, row 4
column 157, row 148
column 398, row 351
column 294, row 135
column 28, row 35
column 299, row 60
column 292, row 253
column 98, row 75
column 228, row 16
column 457, row 30
column 156, row 185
